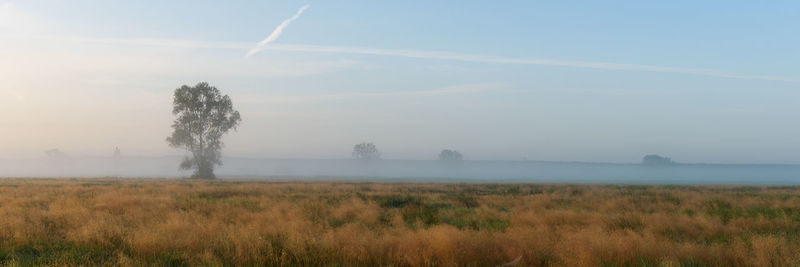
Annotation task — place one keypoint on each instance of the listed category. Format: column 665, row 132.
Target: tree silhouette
column 203, row 116
column 366, row 151
column 448, row 155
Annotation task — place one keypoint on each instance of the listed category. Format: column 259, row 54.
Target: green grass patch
column 726, row 211
column 397, row 201
column 56, row 254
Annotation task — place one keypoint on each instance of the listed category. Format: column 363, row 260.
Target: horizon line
column 397, row 159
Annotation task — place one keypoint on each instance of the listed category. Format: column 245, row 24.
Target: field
column 188, row 222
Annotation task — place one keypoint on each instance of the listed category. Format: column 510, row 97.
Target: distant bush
column 450, row 156
column 656, row 160
column 366, row 151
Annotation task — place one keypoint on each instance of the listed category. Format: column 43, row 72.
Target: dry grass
column 181, row 222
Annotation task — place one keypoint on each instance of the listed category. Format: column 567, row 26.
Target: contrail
column 277, row 32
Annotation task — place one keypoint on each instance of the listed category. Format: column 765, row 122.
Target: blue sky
column 712, row 81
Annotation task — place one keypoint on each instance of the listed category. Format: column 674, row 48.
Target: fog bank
column 412, row 170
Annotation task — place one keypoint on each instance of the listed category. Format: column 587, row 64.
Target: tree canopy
column 203, row 116
column 366, row 151
column 448, row 155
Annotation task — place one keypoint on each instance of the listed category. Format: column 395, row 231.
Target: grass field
column 186, row 222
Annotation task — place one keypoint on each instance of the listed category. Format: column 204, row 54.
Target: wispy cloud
column 277, row 32
column 176, row 43
column 435, row 55
column 523, row 61
column 443, row 91
column 450, row 90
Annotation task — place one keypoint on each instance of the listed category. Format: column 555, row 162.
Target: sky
column 609, row 81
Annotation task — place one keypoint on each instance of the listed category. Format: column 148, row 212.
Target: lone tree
column 448, row 155
column 203, row 116
column 366, row 151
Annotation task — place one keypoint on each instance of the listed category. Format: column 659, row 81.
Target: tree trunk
column 205, row 170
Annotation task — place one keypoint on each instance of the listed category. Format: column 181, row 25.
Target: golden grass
column 187, row 222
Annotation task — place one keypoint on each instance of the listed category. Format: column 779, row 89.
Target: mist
column 525, row 111
column 411, row 170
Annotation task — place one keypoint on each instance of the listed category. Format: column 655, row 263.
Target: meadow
column 134, row 222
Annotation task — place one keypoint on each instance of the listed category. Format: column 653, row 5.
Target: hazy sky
column 711, row 81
